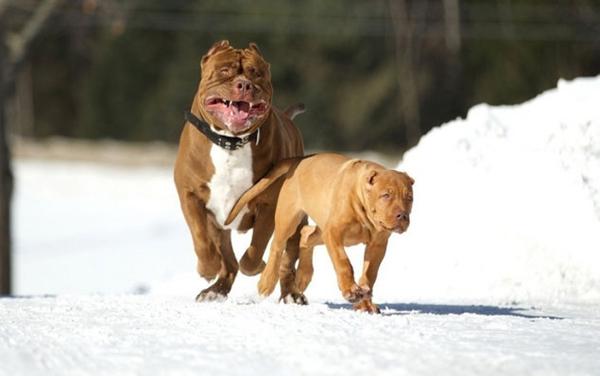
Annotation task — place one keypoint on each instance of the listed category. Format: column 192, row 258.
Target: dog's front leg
column 205, row 246
column 227, row 272
column 343, row 268
column 374, row 253
column 228, row 268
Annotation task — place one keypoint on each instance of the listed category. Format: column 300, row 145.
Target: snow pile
column 507, row 203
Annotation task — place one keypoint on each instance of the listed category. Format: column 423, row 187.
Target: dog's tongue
column 241, row 106
column 240, row 111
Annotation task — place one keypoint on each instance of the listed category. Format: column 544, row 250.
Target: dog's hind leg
column 310, row 237
column 251, row 262
column 290, row 293
column 286, row 222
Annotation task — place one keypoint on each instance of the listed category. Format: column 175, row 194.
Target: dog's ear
column 371, row 177
column 410, row 180
column 220, row 45
column 253, row 46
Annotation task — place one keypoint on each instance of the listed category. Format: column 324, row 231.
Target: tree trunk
column 408, row 86
column 11, row 55
column 19, row 111
column 6, row 182
column 452, row 25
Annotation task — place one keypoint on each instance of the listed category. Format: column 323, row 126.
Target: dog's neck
column 226, row 142
column 360, row 202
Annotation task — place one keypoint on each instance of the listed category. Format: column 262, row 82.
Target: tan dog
column 351, row 201
column 232, row 137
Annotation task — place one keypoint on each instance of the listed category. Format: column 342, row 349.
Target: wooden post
column 6, row 181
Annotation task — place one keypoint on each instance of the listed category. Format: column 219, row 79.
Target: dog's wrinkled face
column 235, row 89
column 389, row 199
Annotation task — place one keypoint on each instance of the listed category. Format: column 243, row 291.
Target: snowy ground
column 148, row 335
column 498, row 274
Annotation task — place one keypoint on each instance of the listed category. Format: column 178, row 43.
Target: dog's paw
column 266, row 286
column 303, row 278
column 210, row 296
column 217, row 291
column 294, row 298
column 366, row 306
column 357, row 293
column 249, row 266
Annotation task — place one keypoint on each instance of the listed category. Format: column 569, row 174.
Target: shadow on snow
column 390, row 309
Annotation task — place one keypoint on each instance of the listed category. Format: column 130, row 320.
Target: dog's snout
column 243, row 86
column 402, row 216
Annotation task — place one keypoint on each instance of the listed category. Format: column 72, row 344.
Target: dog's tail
column 294, row 110
column 275, row 173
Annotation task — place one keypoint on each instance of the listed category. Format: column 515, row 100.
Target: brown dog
column 232, row 137
column 351, row 201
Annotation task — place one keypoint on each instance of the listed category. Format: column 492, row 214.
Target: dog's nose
column 402, row 216
column 243, row 86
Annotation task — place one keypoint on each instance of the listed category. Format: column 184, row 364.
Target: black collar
column 226, row 142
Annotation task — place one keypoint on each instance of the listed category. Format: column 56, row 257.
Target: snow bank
column 507, row 204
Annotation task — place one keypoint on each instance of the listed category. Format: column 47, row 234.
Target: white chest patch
column 233, row 176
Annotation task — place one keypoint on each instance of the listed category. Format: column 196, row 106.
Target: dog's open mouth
column 236, row 115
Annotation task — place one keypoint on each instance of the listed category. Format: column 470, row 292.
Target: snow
column 507, row 202
column 127, row 335
column 498, row 274
column 84, row 228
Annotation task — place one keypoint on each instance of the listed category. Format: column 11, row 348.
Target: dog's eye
column 254, row 72
column 386, row 196
column 225, row 71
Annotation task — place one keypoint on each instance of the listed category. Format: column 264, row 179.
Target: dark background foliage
column 373, row 74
